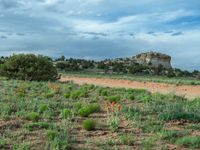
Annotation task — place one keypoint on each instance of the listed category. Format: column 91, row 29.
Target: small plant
column 3, row 142
column 66, row 113
column 75, row 94
column 77, row 106
column 115, row 98
column 43, row 108
column 51, row 135
column 89, row 124
column 20, row 91
column 49, row 94
column 37, row 125
column 111, row 142
column 127, row 139
column 85, row 111
column 103, row 92
column 149, row 143
column 131, row 97
column 113, row 123
column 67, row 95
column 33, row 116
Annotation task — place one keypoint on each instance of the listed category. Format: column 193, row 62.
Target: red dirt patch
column 188, row 91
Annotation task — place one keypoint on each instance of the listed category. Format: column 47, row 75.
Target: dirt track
column 188, row 91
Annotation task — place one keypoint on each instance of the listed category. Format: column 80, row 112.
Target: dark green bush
column 89, row 124
column 28, row 67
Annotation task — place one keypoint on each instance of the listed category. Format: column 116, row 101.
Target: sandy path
column 189, row 91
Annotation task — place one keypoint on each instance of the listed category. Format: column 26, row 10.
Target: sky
column 99, row 29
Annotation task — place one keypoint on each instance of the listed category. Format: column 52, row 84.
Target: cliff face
column 154, row 59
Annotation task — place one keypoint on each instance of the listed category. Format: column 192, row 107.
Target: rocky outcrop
column 154, row 59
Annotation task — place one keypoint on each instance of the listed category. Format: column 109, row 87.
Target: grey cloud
column 3, row 37
column 7, row 4
column 177, row 33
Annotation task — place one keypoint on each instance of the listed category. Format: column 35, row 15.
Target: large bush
column 28, row 67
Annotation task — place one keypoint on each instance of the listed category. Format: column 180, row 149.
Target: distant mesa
column 154, row 59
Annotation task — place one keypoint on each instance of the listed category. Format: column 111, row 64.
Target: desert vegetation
column 88, row 116
column 39, row 112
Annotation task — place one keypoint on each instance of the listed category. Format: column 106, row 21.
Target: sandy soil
column 188, row 91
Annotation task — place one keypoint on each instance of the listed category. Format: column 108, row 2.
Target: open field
column 147, row 78
column 53, row 115
column 189, row 91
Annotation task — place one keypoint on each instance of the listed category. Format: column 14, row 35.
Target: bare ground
column 189, row 91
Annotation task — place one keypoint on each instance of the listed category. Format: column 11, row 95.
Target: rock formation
column 154, row 59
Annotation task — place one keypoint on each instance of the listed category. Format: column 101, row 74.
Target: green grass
column 50, row 120
column 189, row 141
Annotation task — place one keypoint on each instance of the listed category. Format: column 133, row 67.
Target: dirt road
column 188, row 91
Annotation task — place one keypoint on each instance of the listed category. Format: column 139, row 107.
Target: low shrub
column 33, row 116
column 86, row 110
column 115, row 98
column 49, row 94
column 66, row 113
column 43, row 108
column 67, row 95
column 89, row 124
column 77, row 106
column 131, row 97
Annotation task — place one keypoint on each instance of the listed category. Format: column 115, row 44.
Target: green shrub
column 89, row 124
column 85, row 111
column 33, row 116
column 131, row 97
column 28, row 67
column 103, row 92
column 67, row 95
column 49, row 94
column 115, row 98
column 66, row 113
column 75, row 94
column 51, row 135
column 43, row 108
column 77, row 106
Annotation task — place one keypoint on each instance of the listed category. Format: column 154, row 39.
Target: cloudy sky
column 98, row 29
